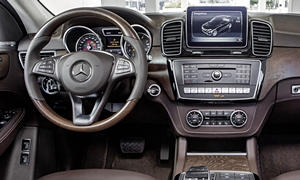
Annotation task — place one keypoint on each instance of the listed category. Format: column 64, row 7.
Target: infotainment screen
column 210, row 27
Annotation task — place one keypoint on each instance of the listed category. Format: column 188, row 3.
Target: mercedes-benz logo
column 81, row 71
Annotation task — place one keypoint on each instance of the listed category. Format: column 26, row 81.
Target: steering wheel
column 85, row 73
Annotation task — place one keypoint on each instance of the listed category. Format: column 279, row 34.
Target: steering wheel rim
column 32, row 61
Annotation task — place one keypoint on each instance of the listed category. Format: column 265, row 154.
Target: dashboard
column 110, row 39
column 216, row 74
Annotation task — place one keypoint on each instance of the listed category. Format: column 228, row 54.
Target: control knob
column 194, row 118
column 216, row 75
column 238, row 118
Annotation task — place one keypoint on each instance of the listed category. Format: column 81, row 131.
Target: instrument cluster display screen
column 209, row 27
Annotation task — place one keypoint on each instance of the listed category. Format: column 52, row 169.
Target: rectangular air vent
column 261, row 38
column 43, row 54
column 171, row 37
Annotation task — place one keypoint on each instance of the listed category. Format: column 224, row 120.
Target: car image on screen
column 217, row 25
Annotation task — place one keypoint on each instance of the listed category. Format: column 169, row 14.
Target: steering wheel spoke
column 80, row 118
column 47, row 67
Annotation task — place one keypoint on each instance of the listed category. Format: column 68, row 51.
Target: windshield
column 271, row 6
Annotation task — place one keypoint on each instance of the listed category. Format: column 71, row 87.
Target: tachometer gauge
column 130, row 52
column 88, row 42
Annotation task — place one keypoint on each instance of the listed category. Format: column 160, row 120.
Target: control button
column 24, row 159
column 238, row 118
column 226, row 176
column 26, row 144
column 194, row 118
column 227, row 113
column 239, row 90
column 123, row 66
column 227, row 75
column 213, row 113
column 246, row 90
column 208, row 90
column 187, row 90
column 241, row 176
column 194, row 90
column 225, row 90
column 216, row 75
column 201, row 90
column 232, row 90
column 220, row 113
column 217, row 90
column 154, row 90
column 205, row 75
column 226, row 123
column 206, row 123
column 206, row 113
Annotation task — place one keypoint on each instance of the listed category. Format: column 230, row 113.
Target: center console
column 202, row 173
column 216, row 58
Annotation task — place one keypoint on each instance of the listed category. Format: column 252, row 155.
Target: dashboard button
column 239, row 90
column 246, row 90
column 187, row 90
column 217, row 90
column 232, row 90
column 201, row 90
column 208, row 90
column 216, row 75
column 225, row 90
column 193, row 90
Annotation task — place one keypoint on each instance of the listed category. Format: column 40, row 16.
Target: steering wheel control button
column 238, row 118
column 50, row 86
column 123, row 66
column 194, row 118
column 81, row 71
column 47, row 66
column 154, row 90
column 216, row 75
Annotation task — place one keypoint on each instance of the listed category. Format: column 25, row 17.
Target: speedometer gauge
column 88, row 42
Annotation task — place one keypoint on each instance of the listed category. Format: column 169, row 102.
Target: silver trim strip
column 216, row 154
column 181, row 36
column 25, row 52
column 252, row 39
column 257, row 87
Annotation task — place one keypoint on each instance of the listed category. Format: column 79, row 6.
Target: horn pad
column 85, row 72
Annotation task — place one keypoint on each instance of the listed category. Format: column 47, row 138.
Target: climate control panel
column 216, row 118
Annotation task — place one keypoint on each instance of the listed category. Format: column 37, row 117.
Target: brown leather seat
column 96, row 174
column 293, row 175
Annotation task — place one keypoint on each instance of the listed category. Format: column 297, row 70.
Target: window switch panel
column 25, row 158
column 26, row 143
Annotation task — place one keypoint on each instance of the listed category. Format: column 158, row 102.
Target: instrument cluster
column 110, row 39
